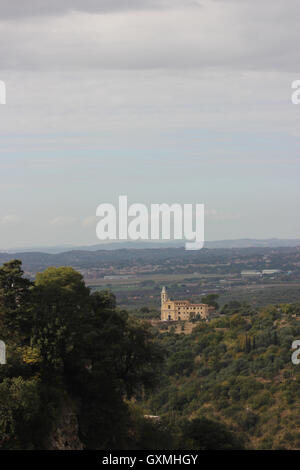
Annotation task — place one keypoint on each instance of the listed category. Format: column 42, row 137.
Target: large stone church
column 182, row 309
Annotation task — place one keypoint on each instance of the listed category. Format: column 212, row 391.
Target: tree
column 14, row 301
column 21, row 413
column 211, row 299
column 204, row 434
column 60, row 300
column 119, row 359
column 77, row 344
column 231, row 307
column 100, row 353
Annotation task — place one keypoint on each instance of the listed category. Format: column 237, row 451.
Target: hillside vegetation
column 237, row 370
column 83, row 374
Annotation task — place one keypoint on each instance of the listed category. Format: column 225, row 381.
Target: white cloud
column 62, row 221
column 109, row 97
column 223, row 35
column 220, row 215
column 31, row 8
column 80, row 78
column 90, row 221
column 9, row 220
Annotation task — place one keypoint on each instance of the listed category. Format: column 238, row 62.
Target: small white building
column 251, row 273
column 269, row 272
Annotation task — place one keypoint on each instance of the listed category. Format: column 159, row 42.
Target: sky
column 160, row 100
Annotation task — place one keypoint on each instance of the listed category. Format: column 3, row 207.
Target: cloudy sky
column 162, row 100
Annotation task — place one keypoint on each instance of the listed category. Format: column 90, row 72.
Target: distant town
column 260, row 274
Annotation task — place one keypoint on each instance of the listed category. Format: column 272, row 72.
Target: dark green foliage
column 228, row 384
column 204, row 434
column 20, row 409
column 236, row 369
column 14, row 301
column 76, row 343
column 211, row 299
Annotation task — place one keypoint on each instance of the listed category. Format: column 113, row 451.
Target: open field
column 264, row 294
column 134, row 280
column 144, row 290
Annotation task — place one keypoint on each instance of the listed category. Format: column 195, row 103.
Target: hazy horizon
column 120, row 244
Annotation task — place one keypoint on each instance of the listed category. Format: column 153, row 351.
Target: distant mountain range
column 238, row 243
column 253, row 242
column 128, row 255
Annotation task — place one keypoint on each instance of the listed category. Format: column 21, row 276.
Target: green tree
column 204, row 434
column 20, row 413
column 60, row 300
column 211, row 299
column 14, row 302
column 76, row 343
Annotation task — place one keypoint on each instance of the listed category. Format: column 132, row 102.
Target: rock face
column 65, row 434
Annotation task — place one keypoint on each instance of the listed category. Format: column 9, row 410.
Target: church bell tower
column 164, row 295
